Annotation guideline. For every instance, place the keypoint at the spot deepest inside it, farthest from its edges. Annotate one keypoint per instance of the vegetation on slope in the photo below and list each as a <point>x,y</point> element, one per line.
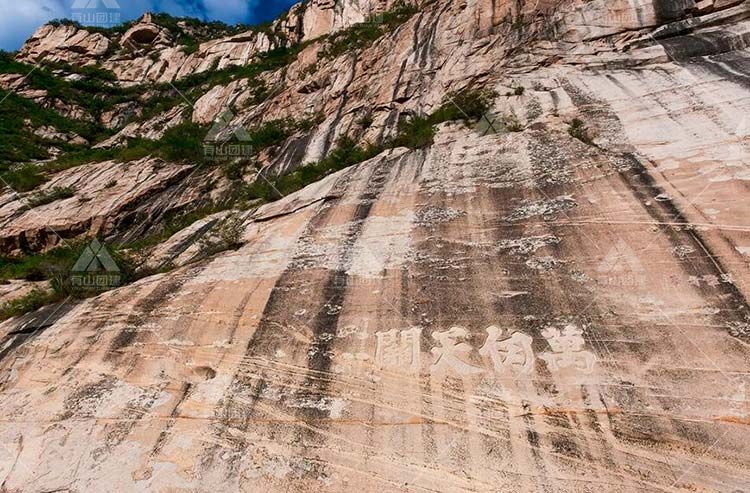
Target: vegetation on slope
<point>18,144</point>
<point>21,116</point>
<point>415,133</point>
<point>185,142</point>
<point>364,34</point>
<point>95,92</point>
<point>186,31</point>
<point>94,89</point>
<point>54,266</point>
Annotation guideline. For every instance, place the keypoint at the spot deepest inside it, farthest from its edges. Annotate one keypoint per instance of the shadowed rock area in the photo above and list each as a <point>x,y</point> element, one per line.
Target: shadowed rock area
<point>553,298</point>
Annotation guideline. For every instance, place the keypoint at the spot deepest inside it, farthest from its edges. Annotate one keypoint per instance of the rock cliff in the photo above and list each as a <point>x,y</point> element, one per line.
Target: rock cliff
<point>443,246</point>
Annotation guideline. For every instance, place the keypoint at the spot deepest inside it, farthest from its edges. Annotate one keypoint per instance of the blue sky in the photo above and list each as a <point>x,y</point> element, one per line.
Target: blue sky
<point>20,18</point>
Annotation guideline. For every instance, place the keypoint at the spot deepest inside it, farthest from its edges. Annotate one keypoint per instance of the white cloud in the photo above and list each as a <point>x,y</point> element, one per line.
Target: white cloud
<point>19,19</point>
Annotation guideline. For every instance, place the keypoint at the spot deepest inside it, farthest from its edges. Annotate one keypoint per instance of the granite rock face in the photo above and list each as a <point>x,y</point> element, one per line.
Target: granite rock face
<point>552,299</point>
<point>66,44</point>
<point>136,63</point>
<point>103,195</point>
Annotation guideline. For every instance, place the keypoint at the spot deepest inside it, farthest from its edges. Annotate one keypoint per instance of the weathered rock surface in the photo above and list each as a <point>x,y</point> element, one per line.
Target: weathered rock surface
<point>14,290</point>
<point>66,44</point>
<point>561,308</point>
<point>105,196</point>
<point>146,33</point>
<point>51,133</point>
<point>152,129</point>
<point>303,22</point>
<point>297,384</point>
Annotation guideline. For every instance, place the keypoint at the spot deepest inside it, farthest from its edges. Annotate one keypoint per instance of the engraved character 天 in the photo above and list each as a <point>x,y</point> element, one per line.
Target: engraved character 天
<point>567,349</point>
<point>508,353</point>
<point>450,355</point>
<point>399,350</point>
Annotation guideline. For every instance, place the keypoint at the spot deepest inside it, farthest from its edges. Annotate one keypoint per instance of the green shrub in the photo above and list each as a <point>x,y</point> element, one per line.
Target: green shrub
<point>202,30</point>
<point>263,62</point>
<point>54,265</point>
<point>229,236</point>
<point>19,117</point>
<point>260,189</point>
<point>176,221</point>
<point>33,301</point>
<point>346,153</point>
<point>161,102</point>
<point>361,35</point>
<point>270,133</point>
<point>190,46</point>
<point>259,90</point>
<point>233,170</point>
<point>78,158</point>
<point>41,266</point>
<point>366,121</point>
<point>231,230</point>
<point>92,73</point>
<point>107,31</point>
<point>469,105</point>
<point>95,92</point>
<point>49,196</point>
<point>415,133</point>
<point>351,39</point>
<point>183,142</point>
<point>23,178</point>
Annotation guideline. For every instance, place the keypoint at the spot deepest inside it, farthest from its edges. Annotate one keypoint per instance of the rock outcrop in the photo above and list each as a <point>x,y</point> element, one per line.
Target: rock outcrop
<point>135,64</point>
<point>104,195</point>
<point>66,44</point>
<point>146,34</point>
<point>553,298</point>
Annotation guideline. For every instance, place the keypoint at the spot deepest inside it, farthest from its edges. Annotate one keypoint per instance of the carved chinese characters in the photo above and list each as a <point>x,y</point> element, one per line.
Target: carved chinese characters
<point>567,349</point>
<point>452,352</point>
<point>508,353</point>
<point>399,350</point>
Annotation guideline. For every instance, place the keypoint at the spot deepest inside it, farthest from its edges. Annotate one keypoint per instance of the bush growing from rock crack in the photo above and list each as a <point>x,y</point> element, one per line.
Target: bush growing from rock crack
<point>49,196</point>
